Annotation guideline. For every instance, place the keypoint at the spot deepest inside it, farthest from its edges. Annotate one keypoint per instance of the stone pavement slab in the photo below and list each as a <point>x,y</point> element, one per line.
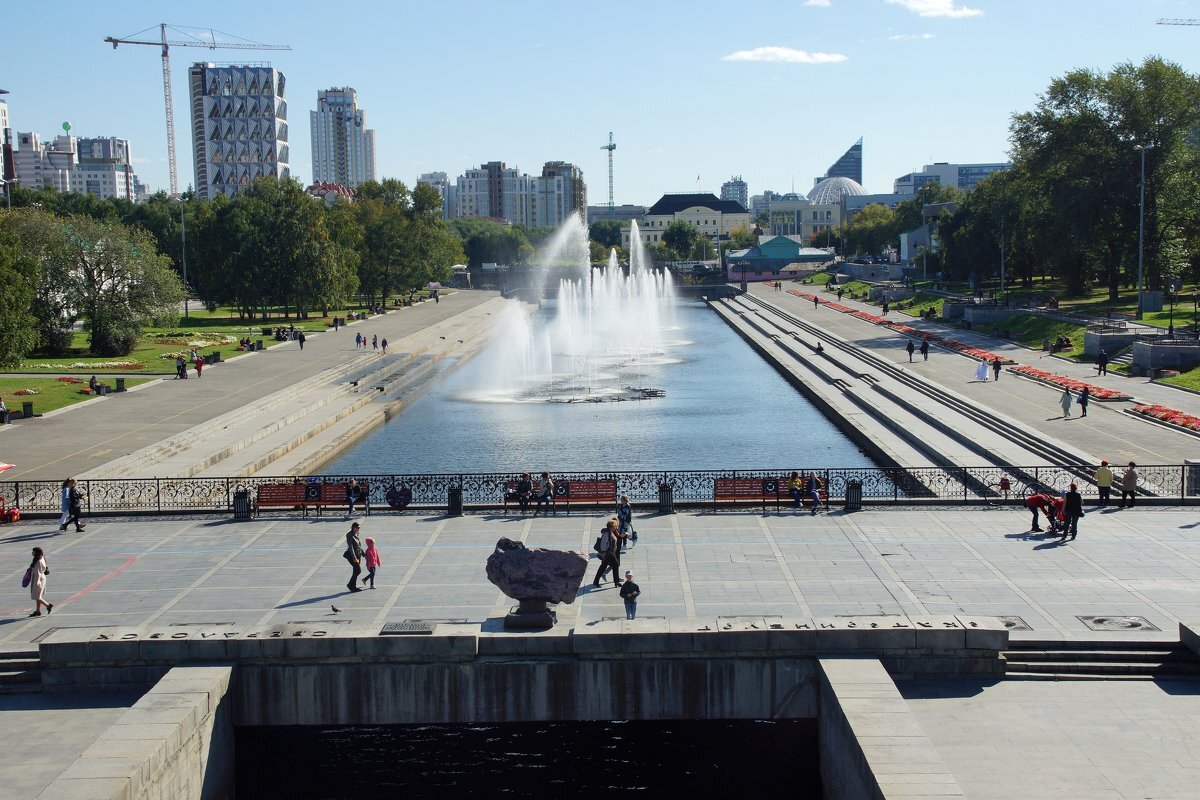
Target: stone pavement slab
<point>941,561</point>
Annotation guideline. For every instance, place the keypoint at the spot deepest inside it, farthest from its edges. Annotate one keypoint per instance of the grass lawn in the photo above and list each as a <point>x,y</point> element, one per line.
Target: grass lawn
<point>817,279</point>
<point>51,392</point>
<point>1031,329</point>
<point>920,303</point>
<point>1189,379</point>
<point>145,356</point>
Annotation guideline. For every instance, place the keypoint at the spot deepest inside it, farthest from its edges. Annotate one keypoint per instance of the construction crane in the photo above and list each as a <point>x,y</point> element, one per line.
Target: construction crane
<point>610,147</point>
<point>192,41</point>
<point>1165,21</point>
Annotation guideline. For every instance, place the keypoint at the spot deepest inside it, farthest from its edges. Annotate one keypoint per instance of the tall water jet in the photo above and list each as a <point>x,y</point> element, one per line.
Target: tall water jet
<point>606,326</point>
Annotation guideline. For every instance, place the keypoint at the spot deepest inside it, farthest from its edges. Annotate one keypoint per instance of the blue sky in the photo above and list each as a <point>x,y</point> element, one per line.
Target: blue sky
<point>773,91</point>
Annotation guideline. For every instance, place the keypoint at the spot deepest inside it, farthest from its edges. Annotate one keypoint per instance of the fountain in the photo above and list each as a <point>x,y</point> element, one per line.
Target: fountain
<point>607,326</point>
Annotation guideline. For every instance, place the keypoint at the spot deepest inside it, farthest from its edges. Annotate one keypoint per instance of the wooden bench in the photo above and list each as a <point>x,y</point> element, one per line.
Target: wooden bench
<point>305,495</point>
<point>568,493</point>
<point>510,493</point>
<point>731,491</point>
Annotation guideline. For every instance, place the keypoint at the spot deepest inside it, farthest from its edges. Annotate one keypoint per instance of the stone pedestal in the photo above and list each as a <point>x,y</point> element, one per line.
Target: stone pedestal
<point>530,615</point>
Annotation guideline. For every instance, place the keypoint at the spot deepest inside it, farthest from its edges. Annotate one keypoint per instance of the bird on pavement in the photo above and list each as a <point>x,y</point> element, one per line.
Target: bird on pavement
<point>336,610</point>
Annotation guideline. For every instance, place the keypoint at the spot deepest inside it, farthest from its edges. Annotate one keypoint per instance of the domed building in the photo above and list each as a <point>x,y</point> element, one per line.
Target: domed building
<point>830,191</point>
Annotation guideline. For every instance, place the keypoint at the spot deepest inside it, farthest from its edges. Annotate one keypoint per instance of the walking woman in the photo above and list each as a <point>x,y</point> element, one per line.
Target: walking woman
<point>37,583</point>
<point>66,505</point>
<point>353,554</point>
<point>1065,402</point>
<point>1084,396</point>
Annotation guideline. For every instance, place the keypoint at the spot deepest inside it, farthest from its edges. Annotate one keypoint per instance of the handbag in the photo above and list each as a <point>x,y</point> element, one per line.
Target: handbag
<point>596,546</point>
<point>28,579</point>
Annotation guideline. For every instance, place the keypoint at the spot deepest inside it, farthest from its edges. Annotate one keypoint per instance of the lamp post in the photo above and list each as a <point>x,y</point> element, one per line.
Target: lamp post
<point>1141,224</point>
<point>1171,317</point>
<point>1195,304</point>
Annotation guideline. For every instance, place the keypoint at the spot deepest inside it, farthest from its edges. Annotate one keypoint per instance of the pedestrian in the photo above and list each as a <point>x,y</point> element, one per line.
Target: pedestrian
<point>1102,363</point>
<point>357,340</point>
<point>375,342</point>
<point>814,492</point>
<point>300,339</point>
<point>1064,400</point>
<point>353,554</point>
<point>1072,510</point>
<point>74,507</point>
<point>3,412</point>
<point>909,347</point>
<point>180,369</point>
<point>1083,398</point>
<point>996,367</point>
<point>608,546</point>
<point>625,517</point>
<point>436,297</point>
<point>353,495</point>
<point>199,365</point>
<point>65,496</point>
<point>630,593</point>
<point>37,583</point>
<point>337,323</point>
<point>925,348</point>
<point>795,487</point>
<point>816,302</point>
<point>1104,478</point>
<point>1129,484</point>
<point>373,561</point>
<point>885,307</point>
<point>1042,502</point>
<point>546,496</point>
<point>840,291</point>
<point>383,343</point>
<point>981,370</point>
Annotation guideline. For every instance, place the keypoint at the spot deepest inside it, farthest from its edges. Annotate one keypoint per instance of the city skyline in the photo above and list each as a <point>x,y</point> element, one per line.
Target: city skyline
<point>776,104</point>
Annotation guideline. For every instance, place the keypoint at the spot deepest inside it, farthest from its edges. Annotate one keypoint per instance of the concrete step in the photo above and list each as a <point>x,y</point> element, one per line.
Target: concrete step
<point>1159,668</point>
<point>1019,646</point>
<point>16,664</point>
<point>1078,676</point>
<point>1131,656</point>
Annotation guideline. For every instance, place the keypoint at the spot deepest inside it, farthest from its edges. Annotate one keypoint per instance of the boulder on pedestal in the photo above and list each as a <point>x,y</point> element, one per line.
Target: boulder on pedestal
<point>535,577</point>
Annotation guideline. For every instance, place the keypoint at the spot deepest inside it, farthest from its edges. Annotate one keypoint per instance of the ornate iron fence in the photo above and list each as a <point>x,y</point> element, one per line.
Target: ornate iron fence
<point>1174,482</point>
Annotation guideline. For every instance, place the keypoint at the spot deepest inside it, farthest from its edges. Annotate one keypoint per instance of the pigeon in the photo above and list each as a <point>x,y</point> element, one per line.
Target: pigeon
<point>336,610</point>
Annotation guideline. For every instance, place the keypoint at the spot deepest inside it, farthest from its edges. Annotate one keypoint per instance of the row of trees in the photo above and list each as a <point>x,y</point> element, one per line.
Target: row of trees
<point>1069,207</point>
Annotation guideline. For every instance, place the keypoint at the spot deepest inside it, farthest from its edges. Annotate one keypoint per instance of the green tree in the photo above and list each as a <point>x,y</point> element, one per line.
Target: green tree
<point>680,236</point>
<point>47,247</point>
<point>18,326</point>
<point>606,233</point>
<point>872,230</point>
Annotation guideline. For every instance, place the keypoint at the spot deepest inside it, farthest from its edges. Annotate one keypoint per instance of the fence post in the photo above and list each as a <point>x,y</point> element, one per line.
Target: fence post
<point>228,500</point>
<point>964,484</point>
<point>88,495</point>
<point>158,494</point>
<point>1183,484</point>
<point>895,474</point>
<point>17,494</point>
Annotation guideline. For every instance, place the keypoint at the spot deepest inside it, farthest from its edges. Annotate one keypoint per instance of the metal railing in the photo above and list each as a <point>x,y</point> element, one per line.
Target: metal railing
<point>962,485</point>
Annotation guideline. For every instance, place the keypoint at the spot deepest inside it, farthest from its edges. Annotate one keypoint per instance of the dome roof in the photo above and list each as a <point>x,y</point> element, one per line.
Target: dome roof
<point>831,190</point>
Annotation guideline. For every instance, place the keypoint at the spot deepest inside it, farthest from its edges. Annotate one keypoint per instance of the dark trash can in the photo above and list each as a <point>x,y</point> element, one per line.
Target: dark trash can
<point>258,345</point>
<point>241,504</point>
<point>120,384</point>
<point>216,357</point>
<point>854,495</point>
<point>101,389</point>
<point>27,410</point>
<point>666,498</point>
<point>454,501</point>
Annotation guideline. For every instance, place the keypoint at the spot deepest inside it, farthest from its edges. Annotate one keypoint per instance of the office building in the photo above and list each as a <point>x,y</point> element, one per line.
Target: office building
<point>712,217</point>
<point>736,189</point>
<point>7,168</point>
<point>101,167</point>
<point>445,189</point>
<point>848,166</point>
<point>964,176</point>
<point>622,213</point>
<point>501,192</point>
<point>239,126</point>
<point>343,147</point>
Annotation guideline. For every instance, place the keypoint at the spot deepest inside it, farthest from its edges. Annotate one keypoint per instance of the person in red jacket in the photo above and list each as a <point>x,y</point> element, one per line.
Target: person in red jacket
<point>1042,502</point>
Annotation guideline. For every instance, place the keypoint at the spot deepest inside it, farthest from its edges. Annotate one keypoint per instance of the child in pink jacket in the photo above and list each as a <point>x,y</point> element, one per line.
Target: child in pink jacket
<point>372,558</point>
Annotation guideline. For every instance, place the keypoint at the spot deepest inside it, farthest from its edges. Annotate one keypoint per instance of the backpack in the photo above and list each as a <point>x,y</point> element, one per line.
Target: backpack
<point>604,541</point>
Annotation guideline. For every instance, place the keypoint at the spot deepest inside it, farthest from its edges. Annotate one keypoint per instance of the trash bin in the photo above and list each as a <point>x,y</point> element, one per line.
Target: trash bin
<point>666,498</point>
<point>216,357</point>
<point>241,504</point>
<point>101,389</point>
<point>27,410</point>
<point>854,495</point>
<point>454,502</point>
<point>258,345</point>
<point>120,384</point>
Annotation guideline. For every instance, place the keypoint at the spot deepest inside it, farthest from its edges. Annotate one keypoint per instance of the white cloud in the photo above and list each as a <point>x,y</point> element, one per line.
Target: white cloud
<point>937,8</point>
<point>784,55</point>
<point>818,3</point>
<point>907,37</point>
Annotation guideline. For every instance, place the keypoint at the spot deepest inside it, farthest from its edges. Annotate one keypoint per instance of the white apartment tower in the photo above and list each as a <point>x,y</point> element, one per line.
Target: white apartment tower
<point>239,126</point>
<point>343,147</point>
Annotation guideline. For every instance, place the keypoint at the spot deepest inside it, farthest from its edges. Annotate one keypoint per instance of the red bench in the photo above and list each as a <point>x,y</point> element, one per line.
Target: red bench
<point>603,492</point>
<point>305,495</point>
<point>731,491</point>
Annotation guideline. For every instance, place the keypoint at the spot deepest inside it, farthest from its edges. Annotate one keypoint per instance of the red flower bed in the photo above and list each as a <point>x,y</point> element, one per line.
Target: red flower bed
<point>1063,382</point>
<point>70,380</point>
<point>873,318</point>
<point>974,352</point>
<point>908,330</point>
<point>1170,416</point>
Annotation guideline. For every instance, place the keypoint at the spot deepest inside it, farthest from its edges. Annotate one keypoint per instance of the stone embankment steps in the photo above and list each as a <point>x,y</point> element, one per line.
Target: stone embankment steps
<point>20,671</point>
<point>253,437</point>
<point>990,435</point>
<point>1103,660</point>
<point>875,432</point>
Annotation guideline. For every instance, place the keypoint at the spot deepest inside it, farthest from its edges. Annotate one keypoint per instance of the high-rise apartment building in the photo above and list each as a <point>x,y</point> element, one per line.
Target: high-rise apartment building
<point>502,192</point>
<point>239,126</point>
<point>561,192</point>
<point>101,166</point>
<point>737,190</point>
<point>343,147</point>
<point>7,167</point>
<point>964,176</point>
<point>445,189</point>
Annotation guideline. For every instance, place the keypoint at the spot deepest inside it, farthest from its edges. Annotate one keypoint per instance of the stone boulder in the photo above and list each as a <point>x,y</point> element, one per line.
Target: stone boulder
<point>551,576</point>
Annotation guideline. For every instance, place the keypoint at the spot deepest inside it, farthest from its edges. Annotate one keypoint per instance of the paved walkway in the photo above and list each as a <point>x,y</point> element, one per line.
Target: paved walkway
<point>57,446</point>
<point>285,568</point>
<point>1106,431</point>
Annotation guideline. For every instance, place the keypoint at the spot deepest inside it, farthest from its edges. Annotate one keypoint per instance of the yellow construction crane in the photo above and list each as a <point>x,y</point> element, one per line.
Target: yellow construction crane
<point>191,41</point>
<point>1165,21</point>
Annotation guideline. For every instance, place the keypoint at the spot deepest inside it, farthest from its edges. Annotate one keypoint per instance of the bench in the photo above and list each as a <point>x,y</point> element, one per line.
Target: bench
<point>740,490</point>
<point>602,492</point>
<point>305,495</point>
<point>510,493</point>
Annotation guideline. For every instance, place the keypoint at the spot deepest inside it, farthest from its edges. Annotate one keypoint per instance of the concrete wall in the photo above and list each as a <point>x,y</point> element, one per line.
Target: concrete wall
<point>986,315</point>
<point>176,743</point>
<point>1109,341</point>
<point>1148,356</point>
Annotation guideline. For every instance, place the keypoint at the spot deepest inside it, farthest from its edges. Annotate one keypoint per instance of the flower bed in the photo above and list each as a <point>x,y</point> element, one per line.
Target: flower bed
<point>26,392</point>
<point>974,352</point>
<point>1063,382</point>
<point>69,379</point>
<point>1170,416</point>
<point>92,365</point>
<point>908,330</point>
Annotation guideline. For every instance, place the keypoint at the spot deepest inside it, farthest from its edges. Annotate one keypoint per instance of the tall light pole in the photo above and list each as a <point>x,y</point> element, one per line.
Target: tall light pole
<point>1141,225</point>
<point>8,182</point>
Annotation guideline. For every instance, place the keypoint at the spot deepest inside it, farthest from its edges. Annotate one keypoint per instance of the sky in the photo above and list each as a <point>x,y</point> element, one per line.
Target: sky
<point>693,92</point>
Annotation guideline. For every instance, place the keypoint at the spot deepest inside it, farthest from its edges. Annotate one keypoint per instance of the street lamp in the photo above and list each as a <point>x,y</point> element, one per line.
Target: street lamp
<point>1171,318</point>
<point>1141,224</point>
<point>1195,304</point>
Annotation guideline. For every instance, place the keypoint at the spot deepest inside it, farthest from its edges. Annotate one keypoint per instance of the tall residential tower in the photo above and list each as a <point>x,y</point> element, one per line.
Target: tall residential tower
<point>343,147</point>
<point>239,126</point>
